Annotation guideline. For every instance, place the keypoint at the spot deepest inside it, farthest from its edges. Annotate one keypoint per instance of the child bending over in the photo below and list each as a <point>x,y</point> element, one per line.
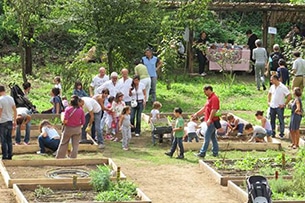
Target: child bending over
<point>235,124</point>
<point>191,129</point>
<point>258,133</point>
<point>265,123</point>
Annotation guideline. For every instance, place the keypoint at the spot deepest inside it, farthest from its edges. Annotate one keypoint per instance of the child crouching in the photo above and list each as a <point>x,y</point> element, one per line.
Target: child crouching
<point>178,131</point>
<point>258,133</point>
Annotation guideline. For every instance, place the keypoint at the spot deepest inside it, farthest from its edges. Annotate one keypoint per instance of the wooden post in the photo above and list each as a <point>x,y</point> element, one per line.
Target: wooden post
<point>265,29</point>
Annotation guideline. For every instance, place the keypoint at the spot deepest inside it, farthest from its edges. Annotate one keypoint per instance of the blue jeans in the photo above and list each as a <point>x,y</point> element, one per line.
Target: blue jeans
<point>46,142</point>
<point>177,141</point>
<point>96,127</point>
<point>27,133</point>
<point>280,113</point>
<point>153,89</point>
<point>136,115</point>
<point>210,135</point>
<point>6,139</point>
<point>240,127</point>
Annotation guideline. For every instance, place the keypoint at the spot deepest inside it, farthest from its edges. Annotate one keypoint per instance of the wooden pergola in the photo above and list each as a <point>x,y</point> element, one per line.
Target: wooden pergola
<point>273,13</point>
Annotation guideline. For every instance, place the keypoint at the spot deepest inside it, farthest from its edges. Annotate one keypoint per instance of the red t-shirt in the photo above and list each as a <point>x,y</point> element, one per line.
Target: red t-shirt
<point>212,103</point>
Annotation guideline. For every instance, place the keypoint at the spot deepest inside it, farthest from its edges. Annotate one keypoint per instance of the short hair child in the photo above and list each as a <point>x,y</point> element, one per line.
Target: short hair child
<point>178,134</point>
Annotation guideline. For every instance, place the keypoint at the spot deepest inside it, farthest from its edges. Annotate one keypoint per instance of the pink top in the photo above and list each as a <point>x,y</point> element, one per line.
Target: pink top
<point>73,117</point>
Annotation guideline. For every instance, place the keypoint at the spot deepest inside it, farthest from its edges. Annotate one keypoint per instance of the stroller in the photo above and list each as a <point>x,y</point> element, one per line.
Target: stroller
<point>20,99</point>
<point>258,190</point>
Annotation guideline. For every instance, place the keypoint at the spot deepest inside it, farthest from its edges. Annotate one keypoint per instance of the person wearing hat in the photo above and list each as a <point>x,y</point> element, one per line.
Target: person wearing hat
<point>111,85</point>
<point>152,64</point>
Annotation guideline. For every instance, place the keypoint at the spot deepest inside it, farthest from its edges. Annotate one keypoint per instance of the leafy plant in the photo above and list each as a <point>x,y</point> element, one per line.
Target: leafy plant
<point>247,163</point>
<point>41,191</point>
<point>118,191</point>
<point>100,178</point>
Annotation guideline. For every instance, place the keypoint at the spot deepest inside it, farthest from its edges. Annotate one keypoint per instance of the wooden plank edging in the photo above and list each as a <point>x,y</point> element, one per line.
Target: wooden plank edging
<point>80,186</point>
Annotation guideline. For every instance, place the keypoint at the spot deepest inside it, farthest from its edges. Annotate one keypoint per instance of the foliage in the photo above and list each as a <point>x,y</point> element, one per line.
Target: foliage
<point>100,178</point>
<point>41,191</point>
<point>299,172</point>
<point>78,70</point>
<point>121,190</point>
<point>246,164</point>
<point>118,27</point>
<point>24,17</point>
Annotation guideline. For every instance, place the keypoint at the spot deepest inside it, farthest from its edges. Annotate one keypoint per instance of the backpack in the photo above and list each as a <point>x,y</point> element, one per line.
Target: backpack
<point>275,57</point>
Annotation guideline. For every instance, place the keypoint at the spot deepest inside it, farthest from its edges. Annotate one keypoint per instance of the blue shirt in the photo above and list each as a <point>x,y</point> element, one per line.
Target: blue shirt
<point>283,73</point>
<point>151,65</point>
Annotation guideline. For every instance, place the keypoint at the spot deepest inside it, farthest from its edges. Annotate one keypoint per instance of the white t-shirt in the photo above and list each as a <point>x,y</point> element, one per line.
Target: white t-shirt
<point>23,111</point>
<point>6,104</point>
<point>138,95</point>
<point>97,81</point>
<point>51,132</point>
<point>154,114</point>
<point>299,66</point>
<point>113,88</point>
<point>191,127</point>
<point>124,86</point>
<point>258,130</point>
<point>91,104</point>
<point>278,95</point>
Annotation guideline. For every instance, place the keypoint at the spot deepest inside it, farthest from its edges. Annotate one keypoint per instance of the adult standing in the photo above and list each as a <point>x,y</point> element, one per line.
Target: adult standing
<point>93,120</point>
<point>201,56</point>
<point>141,70</point>
<point>111,85</point>
<point>260,57</point>
<point>274,59</point>
<point>251,42</point>
<point>278,97</point>
<point>97,81</point>
<point>23,122</point>
<point>8,116</point>
<point>209,110</point>
<point>73,120</point>
<point>296,117</point>
<point>152,64</point>
<point>124,85</point>
<point>298,69</point>
<point>138,94</point>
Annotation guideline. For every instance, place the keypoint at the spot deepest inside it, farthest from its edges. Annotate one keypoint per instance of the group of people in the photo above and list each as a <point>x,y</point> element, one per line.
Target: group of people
<point>113,103</point>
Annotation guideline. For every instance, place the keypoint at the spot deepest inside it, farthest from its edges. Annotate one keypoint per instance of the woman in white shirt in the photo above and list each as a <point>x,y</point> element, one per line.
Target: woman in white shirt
<point>137,93</point>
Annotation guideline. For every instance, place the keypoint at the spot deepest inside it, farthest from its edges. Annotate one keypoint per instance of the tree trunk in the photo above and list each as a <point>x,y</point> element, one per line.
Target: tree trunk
<point>28,60</point>
<point>110,61</point>
<point>28,52</point>
<point>189,59</point>
<point>21,53</point>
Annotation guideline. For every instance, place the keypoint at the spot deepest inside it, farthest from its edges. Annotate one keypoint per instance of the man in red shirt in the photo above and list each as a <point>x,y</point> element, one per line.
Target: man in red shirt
<point>209,110</point>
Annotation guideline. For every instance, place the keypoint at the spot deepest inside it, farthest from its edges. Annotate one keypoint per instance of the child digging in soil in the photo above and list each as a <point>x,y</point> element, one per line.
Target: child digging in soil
<point>178,131</point>
<point>258,133</point>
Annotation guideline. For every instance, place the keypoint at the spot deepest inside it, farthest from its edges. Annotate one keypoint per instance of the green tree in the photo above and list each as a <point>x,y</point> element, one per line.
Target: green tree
<point>121,28</point>
<point>24,17</point>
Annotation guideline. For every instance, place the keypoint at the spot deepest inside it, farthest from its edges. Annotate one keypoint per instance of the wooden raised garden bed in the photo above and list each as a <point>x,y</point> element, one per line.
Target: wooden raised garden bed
<point>237,145</point>
<point>79,192</point>
<point>234,187</point>
<point>40,171</point>
<point>222,176</point>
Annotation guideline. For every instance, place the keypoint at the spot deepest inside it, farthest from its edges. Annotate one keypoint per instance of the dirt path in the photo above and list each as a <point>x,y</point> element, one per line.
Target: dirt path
<point>184,183</point>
